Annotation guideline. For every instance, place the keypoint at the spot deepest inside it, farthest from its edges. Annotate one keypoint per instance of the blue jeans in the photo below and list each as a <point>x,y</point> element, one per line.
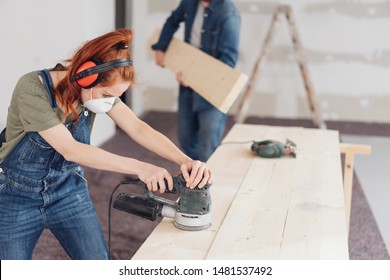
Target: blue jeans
<point>200,125</point>
<point>29,206</point>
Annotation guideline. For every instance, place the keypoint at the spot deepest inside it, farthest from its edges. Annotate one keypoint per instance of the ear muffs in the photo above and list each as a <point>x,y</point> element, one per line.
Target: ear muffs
<point>89,80</point>
<point>90,72</point>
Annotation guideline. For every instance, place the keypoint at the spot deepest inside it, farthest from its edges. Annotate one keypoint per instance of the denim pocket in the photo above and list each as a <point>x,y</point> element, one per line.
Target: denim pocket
<point>36,153</point>
<point>80,174</point>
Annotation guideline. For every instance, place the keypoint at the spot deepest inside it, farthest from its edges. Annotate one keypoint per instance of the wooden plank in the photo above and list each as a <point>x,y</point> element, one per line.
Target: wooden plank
<point>288,208</point>
<point>350,150</point>
<point>253,227</point>
<point>355,148</point>
<point>348,184</point>
<point>168,242</point>
<point>316,227</point>
<point>215,81</point>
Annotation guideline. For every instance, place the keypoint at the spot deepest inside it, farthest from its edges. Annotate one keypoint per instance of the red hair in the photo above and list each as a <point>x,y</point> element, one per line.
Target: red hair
<point>104,48</point>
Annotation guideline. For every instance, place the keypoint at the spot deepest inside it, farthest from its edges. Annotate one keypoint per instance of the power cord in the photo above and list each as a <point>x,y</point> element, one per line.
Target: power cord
<point>270,148</point>
<point>238,142</point>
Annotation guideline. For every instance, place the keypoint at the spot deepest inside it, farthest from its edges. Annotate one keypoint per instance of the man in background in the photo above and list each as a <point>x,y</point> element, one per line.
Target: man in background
<point>213,26</point>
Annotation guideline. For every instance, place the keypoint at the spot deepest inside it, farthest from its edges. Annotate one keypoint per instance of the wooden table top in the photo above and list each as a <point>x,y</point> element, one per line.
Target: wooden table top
<point>284,208</point>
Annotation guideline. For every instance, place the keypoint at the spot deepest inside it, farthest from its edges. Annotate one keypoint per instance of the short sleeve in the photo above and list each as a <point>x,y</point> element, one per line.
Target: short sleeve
<point>35,112</point>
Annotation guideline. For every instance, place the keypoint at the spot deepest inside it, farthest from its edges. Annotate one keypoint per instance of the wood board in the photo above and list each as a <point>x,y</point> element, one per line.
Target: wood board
<point>287,208</point>
<point>215,81</point>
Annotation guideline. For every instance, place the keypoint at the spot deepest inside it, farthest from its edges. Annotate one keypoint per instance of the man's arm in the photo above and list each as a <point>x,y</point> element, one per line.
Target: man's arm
<point>170,27</point>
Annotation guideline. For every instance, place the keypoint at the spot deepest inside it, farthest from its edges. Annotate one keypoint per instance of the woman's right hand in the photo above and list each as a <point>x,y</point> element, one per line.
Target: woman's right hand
<point>153,176</point>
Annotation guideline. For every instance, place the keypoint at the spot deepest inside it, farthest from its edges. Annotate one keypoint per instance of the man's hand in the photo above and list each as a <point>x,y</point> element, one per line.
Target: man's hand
<point>180,78</point>
<point>159,58</point>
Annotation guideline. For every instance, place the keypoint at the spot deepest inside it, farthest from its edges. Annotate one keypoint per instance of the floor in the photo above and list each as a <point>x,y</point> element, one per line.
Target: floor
<point>373,174</point>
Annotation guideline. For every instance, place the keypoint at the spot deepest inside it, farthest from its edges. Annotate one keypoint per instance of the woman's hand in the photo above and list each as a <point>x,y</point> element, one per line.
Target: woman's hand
<point>153,176</point>
<point>196,173</point>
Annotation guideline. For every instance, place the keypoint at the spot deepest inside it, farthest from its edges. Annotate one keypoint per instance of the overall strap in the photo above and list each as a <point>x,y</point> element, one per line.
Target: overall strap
<point>48,83</point>
<point>2,137</point>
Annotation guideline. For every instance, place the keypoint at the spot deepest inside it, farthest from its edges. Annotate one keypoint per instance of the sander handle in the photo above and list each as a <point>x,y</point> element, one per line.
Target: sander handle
<point>177,180</point>
<point>150,206</point>
<point>138,205</point>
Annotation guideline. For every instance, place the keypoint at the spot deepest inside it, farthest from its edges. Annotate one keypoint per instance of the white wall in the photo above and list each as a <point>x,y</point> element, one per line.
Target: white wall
<point>38,34</point>
<point>347,44</point>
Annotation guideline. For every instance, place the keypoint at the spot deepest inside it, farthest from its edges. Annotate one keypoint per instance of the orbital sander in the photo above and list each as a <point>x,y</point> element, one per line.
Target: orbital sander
<point>191,212</point>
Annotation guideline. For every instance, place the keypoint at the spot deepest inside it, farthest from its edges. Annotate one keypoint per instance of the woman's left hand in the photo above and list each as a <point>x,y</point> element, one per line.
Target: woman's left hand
<point>196,174</point>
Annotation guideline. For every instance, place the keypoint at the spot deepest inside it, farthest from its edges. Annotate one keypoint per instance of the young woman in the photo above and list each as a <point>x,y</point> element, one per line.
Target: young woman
<point>47,139</point>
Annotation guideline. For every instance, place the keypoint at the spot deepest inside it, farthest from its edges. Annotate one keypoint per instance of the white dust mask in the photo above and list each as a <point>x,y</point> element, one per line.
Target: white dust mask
<point>99,105</point>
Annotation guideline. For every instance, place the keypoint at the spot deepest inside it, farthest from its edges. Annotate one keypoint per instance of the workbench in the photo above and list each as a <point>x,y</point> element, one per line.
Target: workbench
<point>284,208</point>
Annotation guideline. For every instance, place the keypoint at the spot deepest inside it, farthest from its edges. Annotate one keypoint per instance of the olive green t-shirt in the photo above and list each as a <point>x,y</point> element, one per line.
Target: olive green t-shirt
<point>30,111</point>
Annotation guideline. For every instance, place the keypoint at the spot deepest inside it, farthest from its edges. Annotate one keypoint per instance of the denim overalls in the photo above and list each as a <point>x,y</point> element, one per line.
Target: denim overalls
<point>40,189</point>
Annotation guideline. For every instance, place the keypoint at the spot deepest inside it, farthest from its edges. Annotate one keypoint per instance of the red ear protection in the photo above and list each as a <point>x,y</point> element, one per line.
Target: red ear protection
<point>90,72</point>
<point>91,80</point>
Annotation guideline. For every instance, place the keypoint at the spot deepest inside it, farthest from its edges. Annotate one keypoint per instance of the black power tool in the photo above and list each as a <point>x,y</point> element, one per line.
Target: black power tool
<point>192,211</point>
